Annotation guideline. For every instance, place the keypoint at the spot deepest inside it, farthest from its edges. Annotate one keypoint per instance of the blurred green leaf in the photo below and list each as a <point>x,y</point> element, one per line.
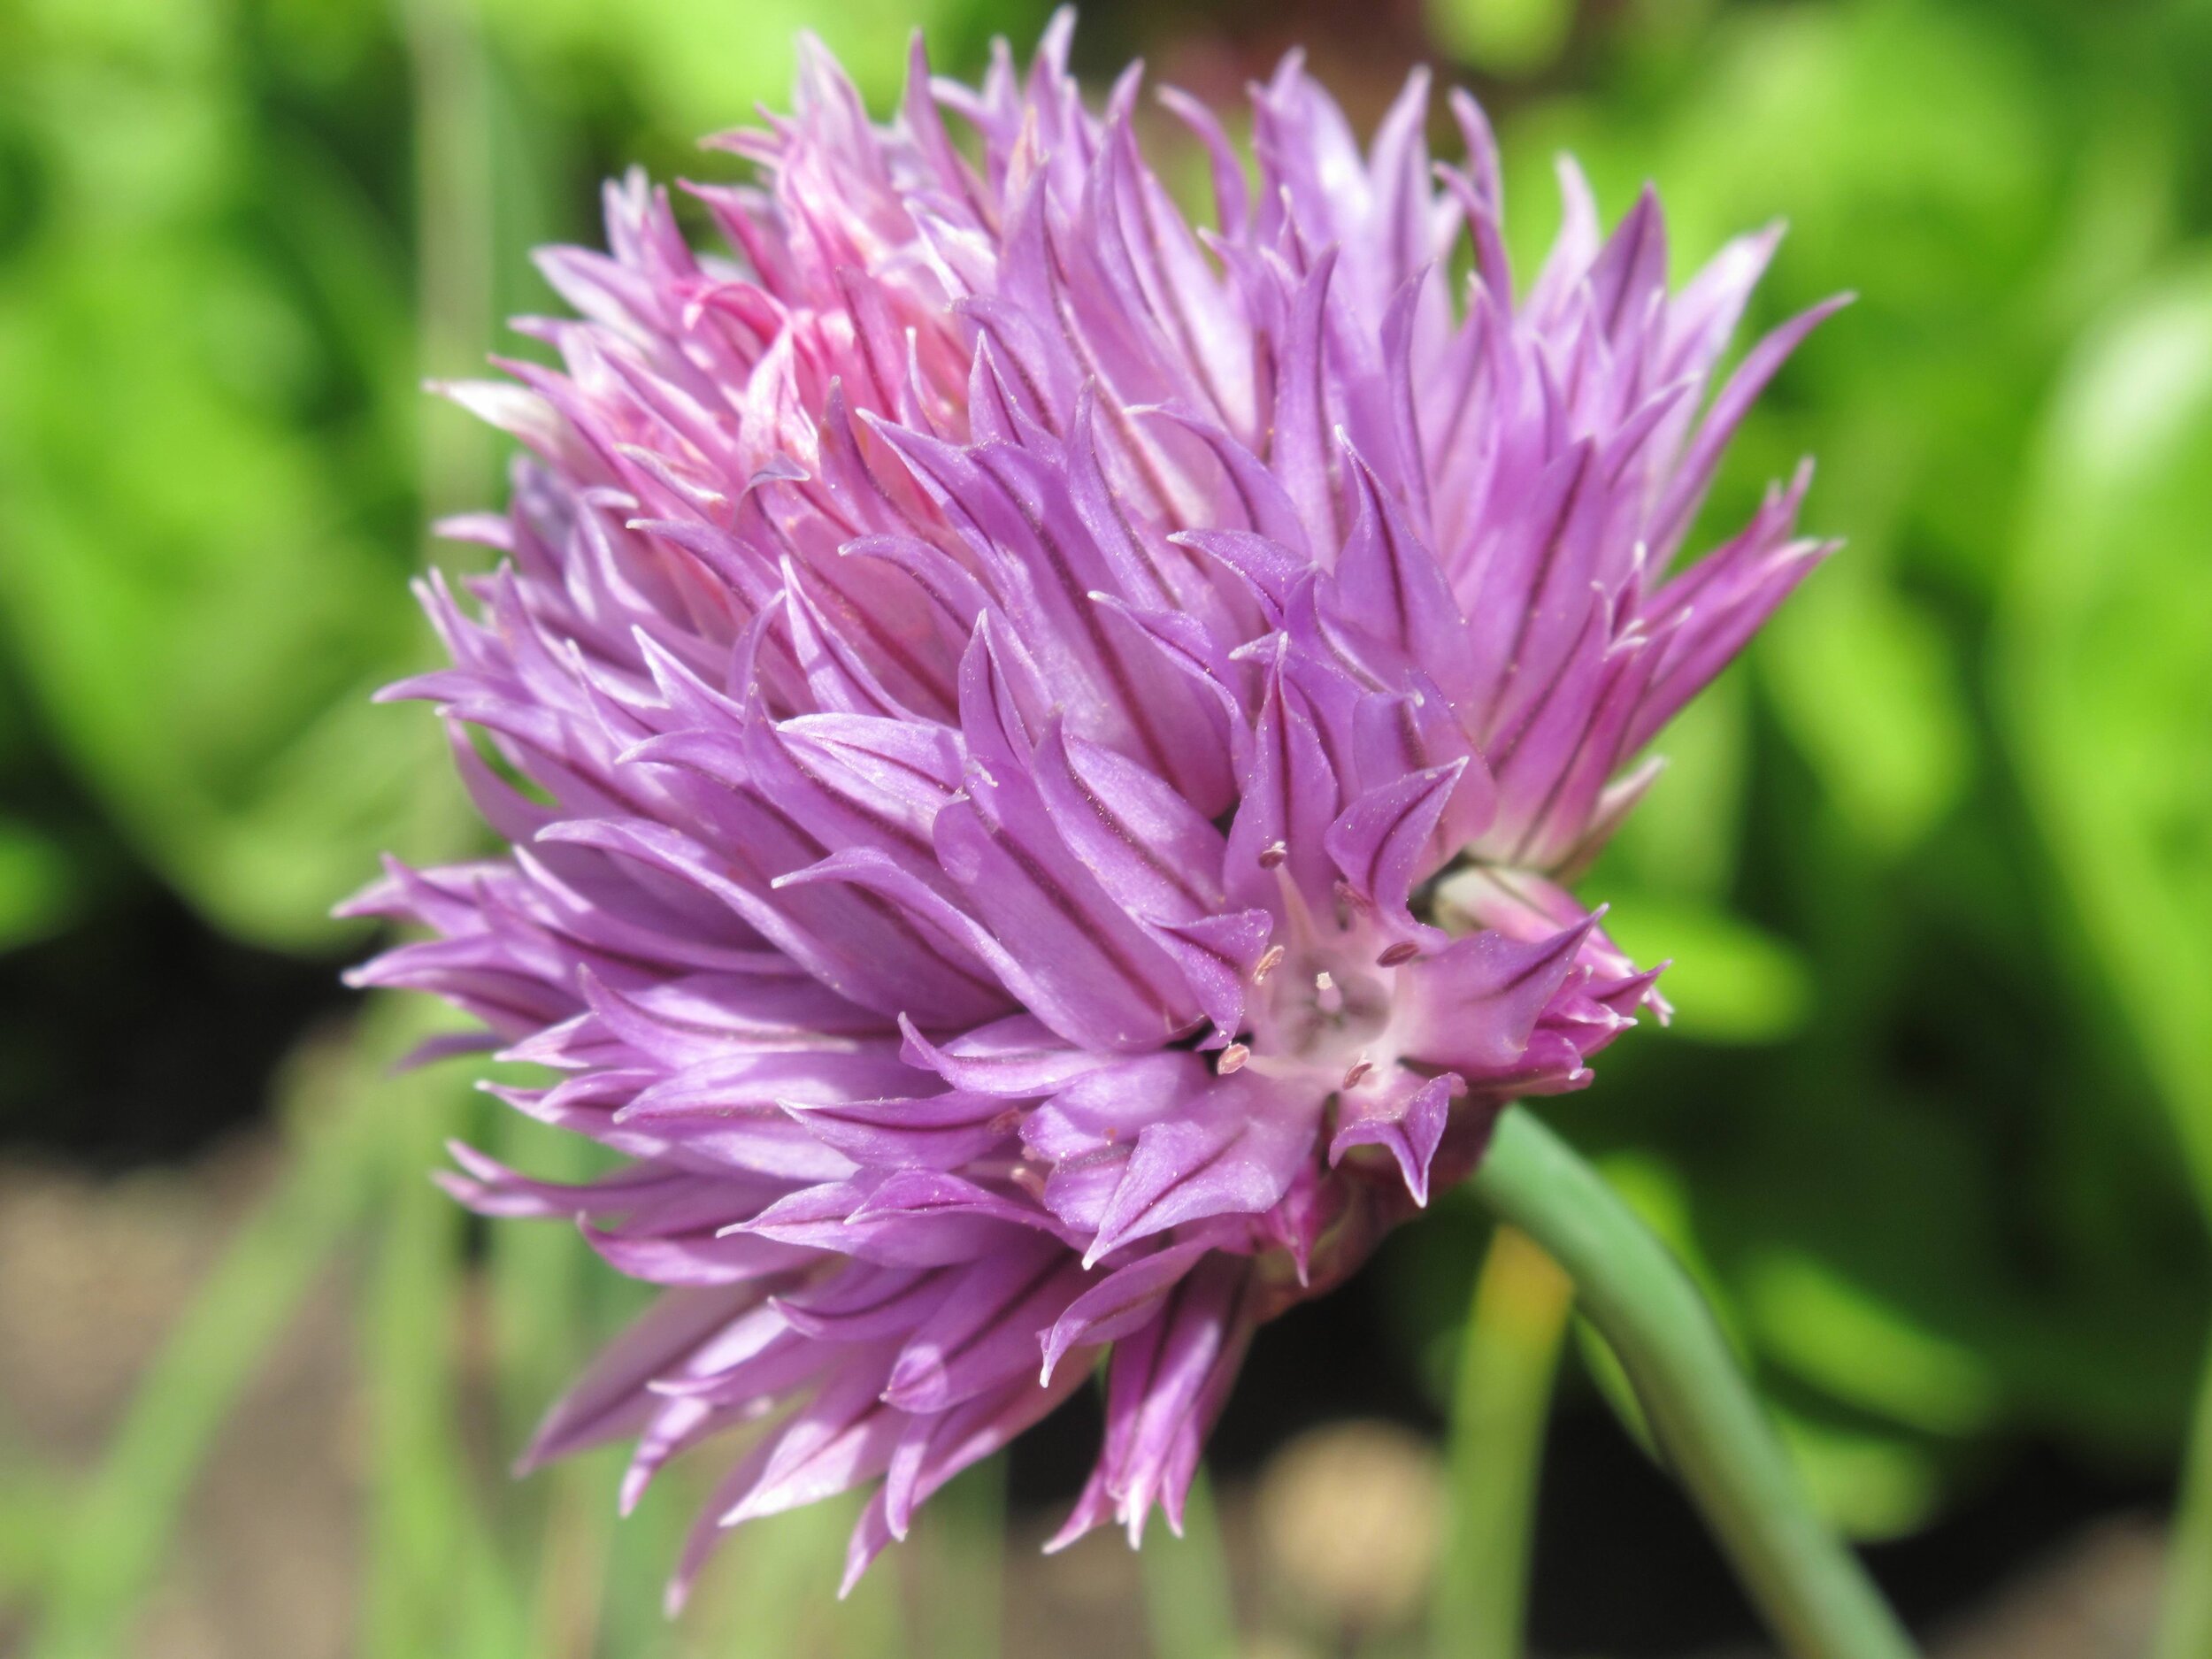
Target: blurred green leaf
<point>1604,1369</point>
<point>195,569</point>
<point>1186,1604</point>
<point>960,1570</point>
<point>435,1581</point>
<point>1868,1484</point>
<point>1729,981</point>
<point>1506,37</point>
<point>2106,678</point>
<point>36,884</point>
<point>1833,1332</point>
<point>543,1282</point>
<point>30,1497</point>
<point>2185,1620</point>
<point>1866,684</point>
<point>771,1592</point>
<point>701,65</point>
<point>1896,136</point>
<point>1683,837</point>
<point>1500,1407</point>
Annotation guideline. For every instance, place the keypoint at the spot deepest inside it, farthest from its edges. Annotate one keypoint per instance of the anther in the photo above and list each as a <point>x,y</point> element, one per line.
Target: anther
<point>1232,1059</point>
<point>1359,1070</point>
<point>1273,854</point>
<point>1270,960</point>
<point>1404,950</point>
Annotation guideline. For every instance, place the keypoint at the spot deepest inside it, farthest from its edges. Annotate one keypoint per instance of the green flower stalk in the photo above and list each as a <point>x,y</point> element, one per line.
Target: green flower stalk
<point>1708,1422</point>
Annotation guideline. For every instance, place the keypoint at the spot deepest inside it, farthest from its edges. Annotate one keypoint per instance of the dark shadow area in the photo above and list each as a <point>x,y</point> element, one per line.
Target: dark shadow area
<point>140,1034</point>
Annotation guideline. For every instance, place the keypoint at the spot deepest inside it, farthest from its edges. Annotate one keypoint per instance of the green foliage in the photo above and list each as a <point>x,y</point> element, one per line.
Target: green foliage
<point>1516,1322</point>
<point>701,65</point>
<point>2108,679</point>
<point>1506,37</point>
<point>204,500</point>
<point>35,884</point>
<point>2111,693</point>
<point>1186,1585</point>
<point>1730,981</point>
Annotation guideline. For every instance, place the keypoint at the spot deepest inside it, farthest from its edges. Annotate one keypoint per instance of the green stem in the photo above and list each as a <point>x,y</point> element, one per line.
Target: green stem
<point>432,1582</point>
<point>1186,1600</point>
<point>1707,1419</point>
<point>2185,1624</point>
<point>1507,1361</point>
<point>454,209</point>
<point>962,1576</point>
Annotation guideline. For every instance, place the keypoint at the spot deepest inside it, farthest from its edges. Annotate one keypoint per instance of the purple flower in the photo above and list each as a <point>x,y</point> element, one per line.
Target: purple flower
<point>1042,746</point>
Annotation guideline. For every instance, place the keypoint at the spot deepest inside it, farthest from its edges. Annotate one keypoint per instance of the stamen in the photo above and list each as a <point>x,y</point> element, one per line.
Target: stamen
<point>1297,919</point>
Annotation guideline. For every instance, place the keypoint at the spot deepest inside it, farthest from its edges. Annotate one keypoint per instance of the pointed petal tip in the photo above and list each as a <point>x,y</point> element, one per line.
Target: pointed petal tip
<point>454,1185</point>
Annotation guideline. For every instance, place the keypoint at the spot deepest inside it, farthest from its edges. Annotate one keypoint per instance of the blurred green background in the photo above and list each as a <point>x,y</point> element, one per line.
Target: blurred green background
<point>1935,863</point>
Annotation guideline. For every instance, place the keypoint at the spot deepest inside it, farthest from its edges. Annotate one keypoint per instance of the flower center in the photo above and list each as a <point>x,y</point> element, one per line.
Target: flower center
<point>1319,1009</point>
